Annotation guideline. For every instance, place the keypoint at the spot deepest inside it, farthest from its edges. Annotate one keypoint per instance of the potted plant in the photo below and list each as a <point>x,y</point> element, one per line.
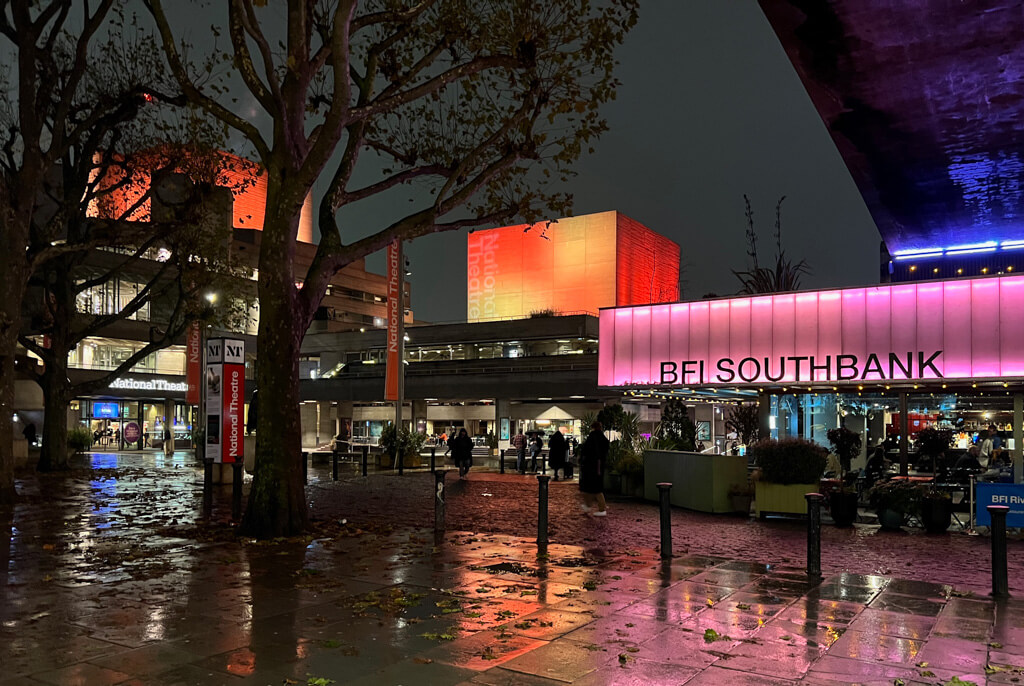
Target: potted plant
<point>492,443</point>
<point>843,500</point>
<point>936,510</point>
<point>79,440</point>
<point>790,468</point>
<point>409,445</point>
<point>893,501</point>
<point>740,496</point>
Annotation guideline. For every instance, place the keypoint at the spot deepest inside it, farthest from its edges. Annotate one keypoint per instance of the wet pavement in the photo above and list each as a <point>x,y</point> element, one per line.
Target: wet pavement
<point>109,580</point>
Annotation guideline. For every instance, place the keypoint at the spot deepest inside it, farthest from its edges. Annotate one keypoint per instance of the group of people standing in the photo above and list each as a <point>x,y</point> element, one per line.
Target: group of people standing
<point>592,456</point>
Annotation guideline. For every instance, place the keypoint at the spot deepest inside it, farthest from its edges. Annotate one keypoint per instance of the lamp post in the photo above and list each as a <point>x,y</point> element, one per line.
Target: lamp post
<point>399,458</point>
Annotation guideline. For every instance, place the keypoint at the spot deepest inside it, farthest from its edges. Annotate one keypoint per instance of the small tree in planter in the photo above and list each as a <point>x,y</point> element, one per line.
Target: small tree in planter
<point>409,444</point>
<point>789,468</point>
<point>843,501</point>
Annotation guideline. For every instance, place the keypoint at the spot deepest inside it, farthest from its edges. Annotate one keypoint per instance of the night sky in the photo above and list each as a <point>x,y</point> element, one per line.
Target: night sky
<point>710,108</point>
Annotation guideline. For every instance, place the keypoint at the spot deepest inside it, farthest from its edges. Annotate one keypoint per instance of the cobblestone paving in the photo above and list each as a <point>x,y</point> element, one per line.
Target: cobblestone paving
<point>108,580</point>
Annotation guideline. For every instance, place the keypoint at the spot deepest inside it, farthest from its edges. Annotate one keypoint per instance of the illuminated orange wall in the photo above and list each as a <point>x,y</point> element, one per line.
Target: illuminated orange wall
<point>577,264</point>
<point>248,186</point>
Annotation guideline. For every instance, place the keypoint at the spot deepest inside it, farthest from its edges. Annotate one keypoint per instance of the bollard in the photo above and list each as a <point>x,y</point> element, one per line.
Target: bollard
<point>665,505</point>
<point>501,461</point>
<point>1000,581</point>
<point>305,467</point>
<point>542,509</point>
<point>433,457</point>
<point>439,503</point>
<point>814,501</point>
<point>366,453</point>
<point>399,460</point>
<point>334,465</point>
<point>236,490</point>
<point>207,486</point>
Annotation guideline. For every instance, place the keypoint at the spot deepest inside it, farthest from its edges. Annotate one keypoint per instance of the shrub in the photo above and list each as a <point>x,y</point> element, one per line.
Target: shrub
<point>410,442</point>
<point>79,439</point>
<point>789,461</point>
<point>898,496</point>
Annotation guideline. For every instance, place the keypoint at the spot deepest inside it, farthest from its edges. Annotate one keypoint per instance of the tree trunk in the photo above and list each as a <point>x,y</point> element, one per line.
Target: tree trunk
<point>277,499</point>
<point>53,455</point>
<point>13,277</point>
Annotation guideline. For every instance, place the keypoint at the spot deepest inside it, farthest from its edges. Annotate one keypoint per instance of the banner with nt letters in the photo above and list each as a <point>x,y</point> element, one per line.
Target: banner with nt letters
<point>225,399</point>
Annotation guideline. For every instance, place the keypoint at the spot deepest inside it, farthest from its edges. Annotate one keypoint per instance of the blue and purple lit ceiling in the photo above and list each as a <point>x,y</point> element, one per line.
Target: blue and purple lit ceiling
<point>925,101</point>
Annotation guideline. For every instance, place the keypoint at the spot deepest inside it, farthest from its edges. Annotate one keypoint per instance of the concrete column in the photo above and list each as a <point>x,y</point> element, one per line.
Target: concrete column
<point>419,413</point>
<point>1018,437</point>
<point>764,412</point>
<point>327,429</point>
<point>169,413</point>
<point>904,436</point>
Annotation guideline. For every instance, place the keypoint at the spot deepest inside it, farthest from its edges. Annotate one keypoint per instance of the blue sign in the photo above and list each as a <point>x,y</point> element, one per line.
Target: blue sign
<point>1011,495</point>
<point>104,409</point>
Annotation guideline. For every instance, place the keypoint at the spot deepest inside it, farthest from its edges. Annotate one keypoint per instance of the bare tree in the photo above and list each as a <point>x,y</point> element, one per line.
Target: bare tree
<point>479,104</point>
<point>75,78</point>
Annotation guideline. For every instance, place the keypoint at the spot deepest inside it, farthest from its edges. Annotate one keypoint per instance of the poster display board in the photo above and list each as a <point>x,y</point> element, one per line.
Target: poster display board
<point>224,383</point>
<point>1011,495</point>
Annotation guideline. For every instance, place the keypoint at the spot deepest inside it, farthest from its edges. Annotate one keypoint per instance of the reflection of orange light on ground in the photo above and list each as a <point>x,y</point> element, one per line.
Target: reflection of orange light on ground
<point>577,264</point>
<point>242,662</point>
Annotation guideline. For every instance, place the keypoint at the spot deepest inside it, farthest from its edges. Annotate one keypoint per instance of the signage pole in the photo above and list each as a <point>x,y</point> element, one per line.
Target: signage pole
<point>401,358</point>
<point>200,420</point>
<point>1018,437</point>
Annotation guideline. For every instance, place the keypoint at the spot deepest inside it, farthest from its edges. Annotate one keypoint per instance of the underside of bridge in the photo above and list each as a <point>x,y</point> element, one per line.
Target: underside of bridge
<point>923,99</point>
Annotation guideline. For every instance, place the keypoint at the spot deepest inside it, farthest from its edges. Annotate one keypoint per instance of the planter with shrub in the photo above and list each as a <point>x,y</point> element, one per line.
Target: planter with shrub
<point>79,440</point>
<point>789,469</point>
<point>893,502</point>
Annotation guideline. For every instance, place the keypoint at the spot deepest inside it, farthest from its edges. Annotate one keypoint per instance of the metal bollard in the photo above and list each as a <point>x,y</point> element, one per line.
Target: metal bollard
<point>665,508</point>
<point>439,502</point>
<point>236,490</point>
<point>501,461</point>
<point>366,453</point>
<point>334,465</point>
<point>814,501</point>
<point>542,509</point>
<point>207,486</point>
<point>305,467</point>
<point>1000,581</point>
<point>433,457</point>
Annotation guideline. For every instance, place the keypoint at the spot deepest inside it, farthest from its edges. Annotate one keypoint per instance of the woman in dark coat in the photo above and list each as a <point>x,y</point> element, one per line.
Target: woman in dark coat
<point>462,453</point>
<point>557,449</point>
<point>594,454</point>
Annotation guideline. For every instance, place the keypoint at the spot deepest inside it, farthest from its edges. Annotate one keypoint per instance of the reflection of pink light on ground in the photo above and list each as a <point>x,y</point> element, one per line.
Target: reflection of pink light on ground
<point>972,324</point>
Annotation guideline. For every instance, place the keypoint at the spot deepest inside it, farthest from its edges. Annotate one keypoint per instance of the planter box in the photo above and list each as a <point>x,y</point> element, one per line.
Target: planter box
<point>781,498</point>
<point>699,482</point>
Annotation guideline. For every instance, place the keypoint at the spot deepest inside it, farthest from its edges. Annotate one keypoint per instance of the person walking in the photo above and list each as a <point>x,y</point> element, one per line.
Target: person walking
<point>519,443</point>
<point>557,448</point>
<point>536,445</point>
<point>462,453</point>
<point>594,454</point>
<point>451,443</point>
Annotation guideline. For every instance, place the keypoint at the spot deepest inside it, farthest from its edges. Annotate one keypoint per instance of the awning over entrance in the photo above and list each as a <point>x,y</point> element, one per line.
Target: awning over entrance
<point>933,332</point>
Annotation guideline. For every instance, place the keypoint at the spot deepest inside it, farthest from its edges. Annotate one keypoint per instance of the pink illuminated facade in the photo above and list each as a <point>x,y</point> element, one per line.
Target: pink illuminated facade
<point>965,329</point>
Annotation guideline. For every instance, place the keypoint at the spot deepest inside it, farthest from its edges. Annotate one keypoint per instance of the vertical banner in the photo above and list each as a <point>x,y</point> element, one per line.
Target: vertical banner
<point>225,399</point>
<point>394,312</point>
<point>193,355</point>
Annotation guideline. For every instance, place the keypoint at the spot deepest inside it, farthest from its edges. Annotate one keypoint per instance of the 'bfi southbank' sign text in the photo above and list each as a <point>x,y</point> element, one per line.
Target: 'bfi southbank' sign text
<point>962,329</point>
<point>803,368</point>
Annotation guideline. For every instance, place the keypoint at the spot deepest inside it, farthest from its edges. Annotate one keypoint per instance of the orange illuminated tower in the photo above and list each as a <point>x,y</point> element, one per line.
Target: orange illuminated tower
<point>574,264</point>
